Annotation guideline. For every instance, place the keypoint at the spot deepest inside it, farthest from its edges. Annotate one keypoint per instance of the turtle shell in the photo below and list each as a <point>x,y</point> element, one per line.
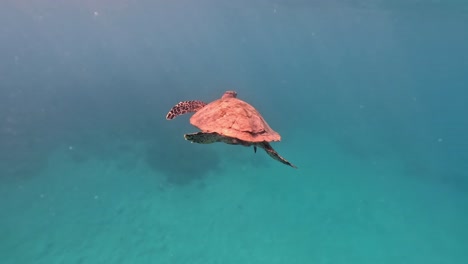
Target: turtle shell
<point>232,117</point>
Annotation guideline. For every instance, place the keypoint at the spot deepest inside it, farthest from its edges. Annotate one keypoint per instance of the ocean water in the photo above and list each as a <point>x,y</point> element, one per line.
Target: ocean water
<point>370,98</point>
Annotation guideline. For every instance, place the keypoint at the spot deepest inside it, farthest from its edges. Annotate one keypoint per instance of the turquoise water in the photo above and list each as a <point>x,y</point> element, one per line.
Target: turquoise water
<point>368,96</point>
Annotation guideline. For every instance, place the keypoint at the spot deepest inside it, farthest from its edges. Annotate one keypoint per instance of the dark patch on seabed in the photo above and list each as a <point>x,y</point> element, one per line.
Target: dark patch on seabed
<point>181,162</point>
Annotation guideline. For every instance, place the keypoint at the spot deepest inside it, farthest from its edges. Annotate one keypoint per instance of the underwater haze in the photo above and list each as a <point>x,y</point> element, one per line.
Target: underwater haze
<point>369,97</point>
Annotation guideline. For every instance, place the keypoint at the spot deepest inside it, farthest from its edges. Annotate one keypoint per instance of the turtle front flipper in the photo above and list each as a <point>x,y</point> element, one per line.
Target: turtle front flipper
<point>204,138</point>
<point>270,151</point>
<point>184,107</point>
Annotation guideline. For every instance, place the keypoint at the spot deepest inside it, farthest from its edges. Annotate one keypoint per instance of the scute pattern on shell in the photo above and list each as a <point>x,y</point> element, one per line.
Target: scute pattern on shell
<point>235,118</point>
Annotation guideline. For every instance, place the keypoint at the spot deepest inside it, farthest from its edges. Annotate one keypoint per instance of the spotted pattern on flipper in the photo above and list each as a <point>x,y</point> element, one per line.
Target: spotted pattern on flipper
<point>184,107</point>
<point>204,138</point>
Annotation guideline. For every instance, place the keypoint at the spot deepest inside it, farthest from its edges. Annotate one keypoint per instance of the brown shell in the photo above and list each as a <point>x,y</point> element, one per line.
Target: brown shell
<point>235,118</point>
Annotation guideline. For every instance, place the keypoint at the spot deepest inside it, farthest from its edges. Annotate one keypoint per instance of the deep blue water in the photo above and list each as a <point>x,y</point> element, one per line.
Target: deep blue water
<point>369,97</point>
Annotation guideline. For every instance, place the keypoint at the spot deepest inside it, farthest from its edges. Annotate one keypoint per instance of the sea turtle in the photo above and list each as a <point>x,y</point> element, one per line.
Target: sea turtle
<point>231,121</point>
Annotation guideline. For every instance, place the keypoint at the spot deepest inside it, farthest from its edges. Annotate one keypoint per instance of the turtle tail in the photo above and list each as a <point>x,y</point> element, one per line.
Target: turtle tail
<point>184,107</point>
<point>270,151</point>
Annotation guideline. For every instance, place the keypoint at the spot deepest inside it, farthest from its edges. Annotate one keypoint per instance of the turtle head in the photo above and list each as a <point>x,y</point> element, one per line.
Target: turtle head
<point>229,94</point>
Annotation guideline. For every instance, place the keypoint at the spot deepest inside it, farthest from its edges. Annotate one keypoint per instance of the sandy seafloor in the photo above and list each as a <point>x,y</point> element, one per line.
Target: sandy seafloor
<point>99,211</point>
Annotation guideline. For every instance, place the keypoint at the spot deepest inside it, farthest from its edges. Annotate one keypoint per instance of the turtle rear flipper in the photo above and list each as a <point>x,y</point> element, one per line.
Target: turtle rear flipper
<point>185,107</point>
<point>270,151</point>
